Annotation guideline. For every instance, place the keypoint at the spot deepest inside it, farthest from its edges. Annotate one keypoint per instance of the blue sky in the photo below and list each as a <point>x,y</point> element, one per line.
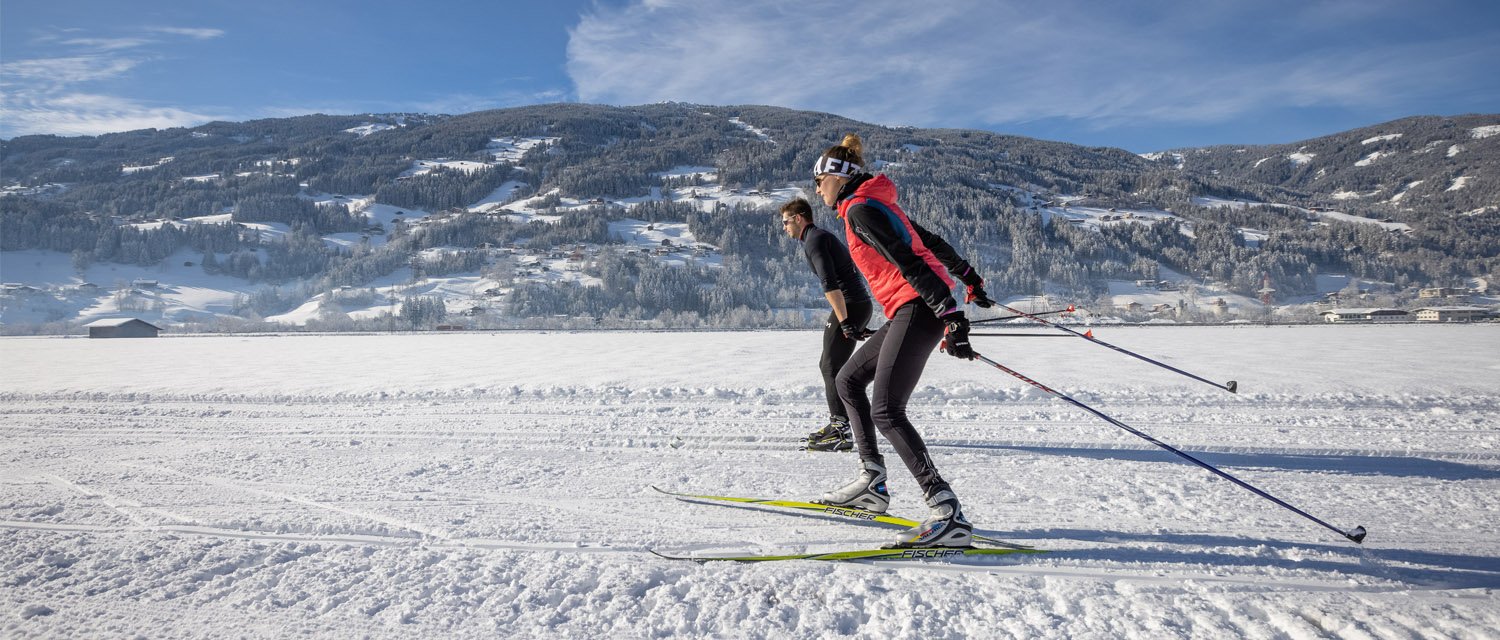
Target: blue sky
<point>1144,75</point>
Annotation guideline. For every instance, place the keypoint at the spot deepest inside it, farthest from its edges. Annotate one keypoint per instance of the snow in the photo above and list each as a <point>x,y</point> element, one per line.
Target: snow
<point>1479,133</point>
<point>499,196</point>
<point>1370,159</point>
<point>496,484</point>
<point>1458,183</point>
<point>687,171</point>
<point>1157,156</point>
<point>1300,158</point>
<point>510,150</point>
<point>367,129</point>
<point>146,167</point>
<point>424,167</point>
<point>1389,136</point>
<point>1404,190</point>
<point>1455,150</point>
<point>758,132</point>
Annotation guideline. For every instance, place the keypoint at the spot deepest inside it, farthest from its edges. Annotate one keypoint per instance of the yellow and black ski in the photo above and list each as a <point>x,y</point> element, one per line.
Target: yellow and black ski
<point>926,554</point>
<point>845,512</point>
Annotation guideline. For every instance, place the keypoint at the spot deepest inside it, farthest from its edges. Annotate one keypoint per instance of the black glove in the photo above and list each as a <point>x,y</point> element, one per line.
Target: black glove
<point>854,331</point>
<point>956,336</point>
<point>978,296</point>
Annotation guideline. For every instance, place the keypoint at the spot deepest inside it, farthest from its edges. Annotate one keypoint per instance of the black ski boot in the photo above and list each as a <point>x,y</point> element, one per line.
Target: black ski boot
<point>836,436</point>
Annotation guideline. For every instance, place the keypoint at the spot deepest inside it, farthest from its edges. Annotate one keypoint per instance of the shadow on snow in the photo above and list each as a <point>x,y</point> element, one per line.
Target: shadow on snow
<point>1396,466</point>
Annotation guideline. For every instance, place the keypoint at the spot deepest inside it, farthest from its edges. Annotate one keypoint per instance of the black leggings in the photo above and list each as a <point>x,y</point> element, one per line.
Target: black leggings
<point>836,351</point>
<point>893,359</point>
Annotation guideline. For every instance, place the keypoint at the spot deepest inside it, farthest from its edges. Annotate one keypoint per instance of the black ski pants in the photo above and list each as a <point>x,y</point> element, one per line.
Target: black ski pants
<point>890,363</point>
<point>836,351</point>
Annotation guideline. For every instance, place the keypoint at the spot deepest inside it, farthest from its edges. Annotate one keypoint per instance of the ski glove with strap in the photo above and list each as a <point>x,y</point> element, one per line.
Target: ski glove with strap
<point>956,336</point>
<point>854,331</point>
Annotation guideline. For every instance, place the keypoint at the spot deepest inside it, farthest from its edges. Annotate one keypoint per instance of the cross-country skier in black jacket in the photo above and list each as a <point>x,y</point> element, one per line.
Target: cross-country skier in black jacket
<point>851,309</point>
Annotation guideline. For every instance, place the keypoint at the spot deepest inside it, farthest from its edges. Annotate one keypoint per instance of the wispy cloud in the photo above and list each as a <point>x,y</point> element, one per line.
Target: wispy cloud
<point>195,33</point>
<point>84,114</point>
<point>108,44</point>
<point>56,94</point>
<point>997,62</point>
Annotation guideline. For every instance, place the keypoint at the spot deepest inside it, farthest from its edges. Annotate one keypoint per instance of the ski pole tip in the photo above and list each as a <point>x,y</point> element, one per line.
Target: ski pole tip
<point>1357,535</point>
<point>1232,386</point>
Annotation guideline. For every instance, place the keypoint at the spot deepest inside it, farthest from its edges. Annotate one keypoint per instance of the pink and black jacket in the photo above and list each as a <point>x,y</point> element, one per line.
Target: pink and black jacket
<point>901,260</point>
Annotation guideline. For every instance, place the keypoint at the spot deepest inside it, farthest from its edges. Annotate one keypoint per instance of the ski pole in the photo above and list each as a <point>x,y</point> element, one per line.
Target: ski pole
<point>1070,309</point>
<point>1357,534</point>
<point>1231,386</point>
<point>1023,335</point>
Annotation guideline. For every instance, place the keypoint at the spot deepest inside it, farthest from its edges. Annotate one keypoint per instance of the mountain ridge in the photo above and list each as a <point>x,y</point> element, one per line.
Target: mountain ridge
<point>297,210</point>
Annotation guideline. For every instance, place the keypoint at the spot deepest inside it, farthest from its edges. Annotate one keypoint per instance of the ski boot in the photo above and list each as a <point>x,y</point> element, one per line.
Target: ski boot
<point>945,526</point>
<point>837,436</point>
<point>867,492</point>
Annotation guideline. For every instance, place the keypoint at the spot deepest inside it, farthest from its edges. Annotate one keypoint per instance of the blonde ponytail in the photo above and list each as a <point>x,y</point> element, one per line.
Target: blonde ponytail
<point>856,148</point>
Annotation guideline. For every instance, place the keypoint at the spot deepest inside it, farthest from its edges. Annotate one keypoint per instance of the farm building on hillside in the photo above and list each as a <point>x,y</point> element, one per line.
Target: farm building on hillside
<point>122,328</point>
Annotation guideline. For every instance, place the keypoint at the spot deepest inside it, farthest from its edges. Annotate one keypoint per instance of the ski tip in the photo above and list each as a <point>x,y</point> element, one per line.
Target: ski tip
<point>1071,309</point>
<point>1232,386</point>
<point>1357,535</point>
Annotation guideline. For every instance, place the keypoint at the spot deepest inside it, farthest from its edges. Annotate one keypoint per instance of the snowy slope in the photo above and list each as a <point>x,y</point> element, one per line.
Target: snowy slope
<point>485,485</point>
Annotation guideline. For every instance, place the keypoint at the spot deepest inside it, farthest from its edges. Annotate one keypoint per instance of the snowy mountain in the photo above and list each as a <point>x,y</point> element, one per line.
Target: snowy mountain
<point>662,216</point>
<point>1405,169</point>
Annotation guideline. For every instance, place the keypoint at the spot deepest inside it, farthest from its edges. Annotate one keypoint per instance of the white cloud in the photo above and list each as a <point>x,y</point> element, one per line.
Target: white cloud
<point>52,94</point>
<point>994,62</point>
<point>83,114</point>
<point>108,44</point>
<point>195,33</point>
<point>63,71</point>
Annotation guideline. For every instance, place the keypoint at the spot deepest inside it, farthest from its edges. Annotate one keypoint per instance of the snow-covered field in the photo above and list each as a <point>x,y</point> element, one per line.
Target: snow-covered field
<point>497,485</point>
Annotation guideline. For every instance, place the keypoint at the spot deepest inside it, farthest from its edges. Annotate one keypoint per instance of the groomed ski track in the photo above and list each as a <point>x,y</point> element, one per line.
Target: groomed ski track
<point>422,496</point>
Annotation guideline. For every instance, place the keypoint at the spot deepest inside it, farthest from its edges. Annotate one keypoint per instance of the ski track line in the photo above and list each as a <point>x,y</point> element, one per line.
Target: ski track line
<point>350,539</point>
<point>574,440</point>
<point>226,484</point>
<point>118,504</point>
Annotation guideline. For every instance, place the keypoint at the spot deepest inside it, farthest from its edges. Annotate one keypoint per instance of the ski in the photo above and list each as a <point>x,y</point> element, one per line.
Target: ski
<point>925,554</point>
<point>845,512</point>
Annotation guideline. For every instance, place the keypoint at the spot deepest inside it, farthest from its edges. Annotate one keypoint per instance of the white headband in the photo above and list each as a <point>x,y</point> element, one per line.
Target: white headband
<point>830,166</point>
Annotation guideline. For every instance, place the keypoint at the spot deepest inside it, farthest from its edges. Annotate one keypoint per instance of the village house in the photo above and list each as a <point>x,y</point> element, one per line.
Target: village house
<point>1452,314</point>
<point>122,328</point>
<point>1442,292</point>
<point>1365,315</point>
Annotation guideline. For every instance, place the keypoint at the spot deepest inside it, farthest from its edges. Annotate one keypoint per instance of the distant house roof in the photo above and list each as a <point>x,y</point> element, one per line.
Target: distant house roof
<point>1477,309</point>
<point>119,322</point>
<point>1345,312</point>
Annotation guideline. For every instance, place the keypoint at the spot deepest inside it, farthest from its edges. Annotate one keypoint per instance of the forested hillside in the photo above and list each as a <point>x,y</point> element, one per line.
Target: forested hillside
<point>666,214</point>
